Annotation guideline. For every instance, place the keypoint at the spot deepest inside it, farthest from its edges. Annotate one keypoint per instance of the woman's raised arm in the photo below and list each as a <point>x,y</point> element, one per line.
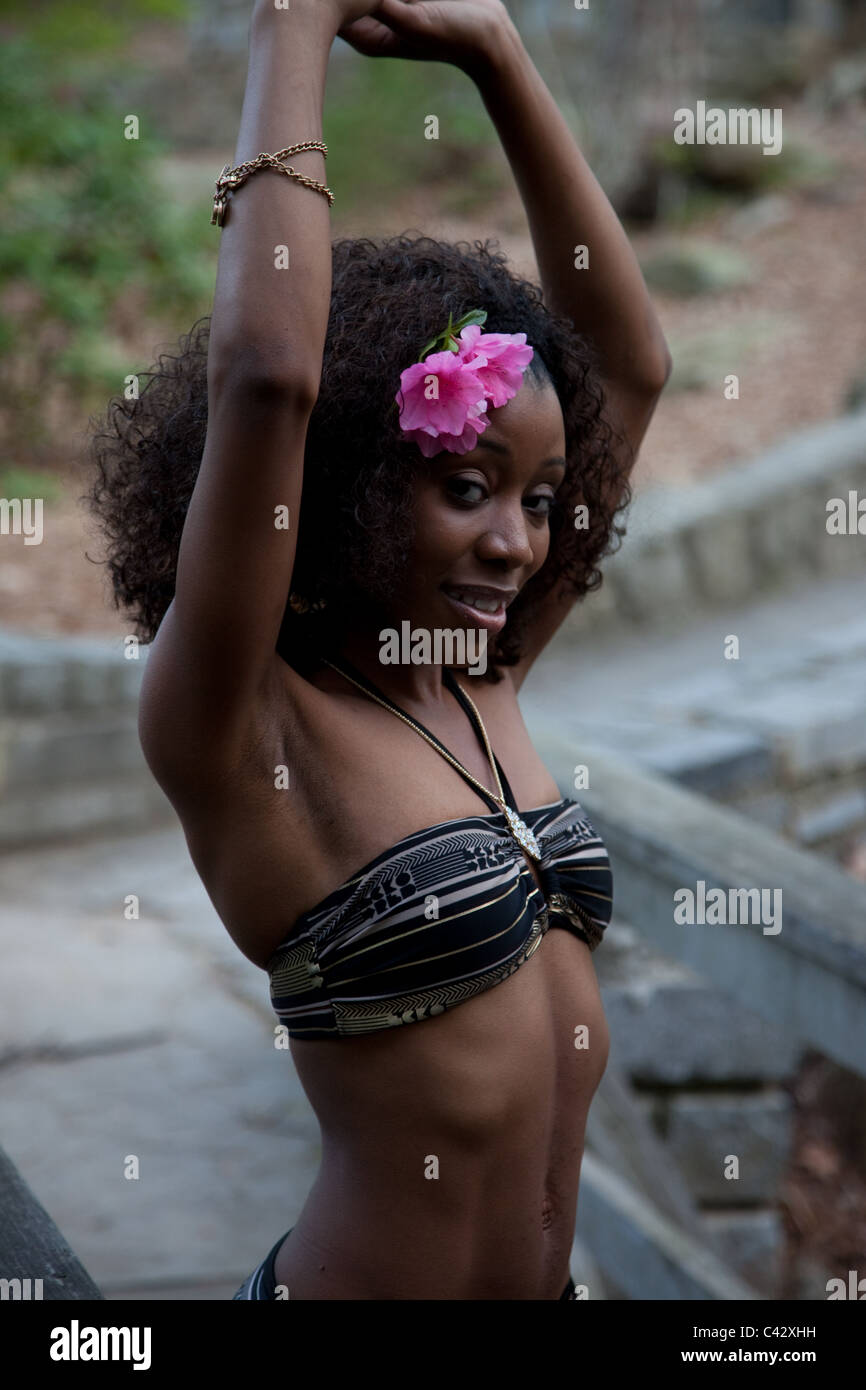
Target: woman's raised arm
<point>602,292</point>
<point>214,653</point>
<point>270,313</point>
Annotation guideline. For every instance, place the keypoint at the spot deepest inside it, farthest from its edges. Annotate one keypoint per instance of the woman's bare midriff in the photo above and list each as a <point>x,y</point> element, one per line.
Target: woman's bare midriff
<point>451,1147</point>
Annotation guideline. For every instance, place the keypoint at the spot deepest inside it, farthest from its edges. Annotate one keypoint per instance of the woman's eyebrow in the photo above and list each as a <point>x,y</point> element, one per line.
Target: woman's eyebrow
<point>558,461</point>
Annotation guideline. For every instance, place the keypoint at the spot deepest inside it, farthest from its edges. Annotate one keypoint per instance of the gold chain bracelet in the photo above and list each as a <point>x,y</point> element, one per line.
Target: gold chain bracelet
<point>233,178</point>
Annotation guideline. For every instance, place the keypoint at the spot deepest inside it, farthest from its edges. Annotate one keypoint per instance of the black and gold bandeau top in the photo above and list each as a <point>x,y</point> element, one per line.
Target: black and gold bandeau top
<point>441,916</point>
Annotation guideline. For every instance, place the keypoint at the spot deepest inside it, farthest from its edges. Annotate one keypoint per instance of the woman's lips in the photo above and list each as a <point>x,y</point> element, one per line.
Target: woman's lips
<point>483,608</point>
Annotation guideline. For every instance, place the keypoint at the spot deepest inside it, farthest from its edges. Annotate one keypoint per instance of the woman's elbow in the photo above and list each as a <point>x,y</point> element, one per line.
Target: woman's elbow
<point>659,371</point>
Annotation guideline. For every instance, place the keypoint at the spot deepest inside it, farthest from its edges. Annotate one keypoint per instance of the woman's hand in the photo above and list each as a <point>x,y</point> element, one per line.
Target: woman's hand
<point>348,11</point>
<point>444,31</point>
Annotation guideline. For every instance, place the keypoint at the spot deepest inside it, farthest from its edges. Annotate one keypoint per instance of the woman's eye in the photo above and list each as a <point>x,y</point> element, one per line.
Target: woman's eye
<point>466,489</point>
<point>547,503</point>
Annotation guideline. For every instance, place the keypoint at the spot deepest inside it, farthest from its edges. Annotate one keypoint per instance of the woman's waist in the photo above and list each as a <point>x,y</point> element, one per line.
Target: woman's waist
<point>479,1072</point>
<point>450,1238</point>
<point>517,1059</point>
<point>467,1161</point>
<point>472,1112</point>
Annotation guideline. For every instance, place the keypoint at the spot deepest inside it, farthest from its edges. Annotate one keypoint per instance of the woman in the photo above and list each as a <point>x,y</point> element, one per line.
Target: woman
<point>378,833</point>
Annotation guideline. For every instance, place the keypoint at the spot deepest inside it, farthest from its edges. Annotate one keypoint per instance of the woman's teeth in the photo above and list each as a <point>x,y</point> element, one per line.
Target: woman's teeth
<point>485,603</point>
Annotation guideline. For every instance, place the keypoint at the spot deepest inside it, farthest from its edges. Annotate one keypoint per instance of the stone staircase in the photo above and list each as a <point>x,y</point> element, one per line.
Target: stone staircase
<point>70,760</point>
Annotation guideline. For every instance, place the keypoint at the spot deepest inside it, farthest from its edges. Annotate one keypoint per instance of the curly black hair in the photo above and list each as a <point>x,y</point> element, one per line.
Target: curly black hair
<point>389,297</point>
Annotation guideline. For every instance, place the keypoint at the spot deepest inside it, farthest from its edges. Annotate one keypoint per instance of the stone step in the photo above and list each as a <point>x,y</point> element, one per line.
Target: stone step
<point>707,1131</point>
<point>133,801</point>
<point>653,1003</point>
<point>44,754</point>
<point>754,528</point>
<point>47,675</point>
<point>70,757</point>
<point>778,733</point>
<point>752,1242</point>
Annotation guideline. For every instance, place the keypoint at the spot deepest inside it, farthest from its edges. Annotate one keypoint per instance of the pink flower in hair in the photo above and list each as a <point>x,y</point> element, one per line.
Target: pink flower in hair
<point>443,404</point>
<point>506,357</point>
<point>443,398</point>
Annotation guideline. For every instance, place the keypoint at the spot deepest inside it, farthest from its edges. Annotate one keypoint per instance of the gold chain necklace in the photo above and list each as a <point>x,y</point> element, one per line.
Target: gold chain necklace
<point>519,829</point>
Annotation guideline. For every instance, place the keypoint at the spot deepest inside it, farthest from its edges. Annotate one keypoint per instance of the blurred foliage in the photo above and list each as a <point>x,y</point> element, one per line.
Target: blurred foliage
<point>85,25</point>
<point>741,168</point>
<point>85,222</point>
<point>84,28</point>
<point>687,268</point>
<point>691,182</point>
<point>25,482</point>
<point>94,242</point>
<point>703,359</point>
<point>374,125</point>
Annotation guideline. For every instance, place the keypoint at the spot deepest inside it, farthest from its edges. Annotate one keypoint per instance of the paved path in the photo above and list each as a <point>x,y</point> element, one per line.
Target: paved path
<point>791,646</point>
<point>151,1038</point>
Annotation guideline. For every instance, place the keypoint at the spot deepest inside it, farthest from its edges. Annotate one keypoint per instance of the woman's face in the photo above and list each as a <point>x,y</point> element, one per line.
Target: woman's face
<point>481,518</point>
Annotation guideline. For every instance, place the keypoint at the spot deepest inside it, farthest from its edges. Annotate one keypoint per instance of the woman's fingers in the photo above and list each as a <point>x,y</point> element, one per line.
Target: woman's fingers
<point>435,30</point>
<point>408,16</point>
<point>371,37</point>
<point>350,10</point>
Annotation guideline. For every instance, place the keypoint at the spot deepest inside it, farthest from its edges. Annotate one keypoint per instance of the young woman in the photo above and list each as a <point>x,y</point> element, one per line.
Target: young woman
<point>393,436</point>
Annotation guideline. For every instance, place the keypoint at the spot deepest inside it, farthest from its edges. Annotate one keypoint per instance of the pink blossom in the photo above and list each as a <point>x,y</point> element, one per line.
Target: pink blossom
<point>488,367</point>
<point>505,358</point>
<point>448,414</point>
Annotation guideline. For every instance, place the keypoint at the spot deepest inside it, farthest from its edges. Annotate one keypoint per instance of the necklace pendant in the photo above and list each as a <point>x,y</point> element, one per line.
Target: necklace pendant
<point>522,833</point>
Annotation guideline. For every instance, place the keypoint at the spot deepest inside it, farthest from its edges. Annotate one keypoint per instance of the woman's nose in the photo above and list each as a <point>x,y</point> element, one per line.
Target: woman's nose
<point>507,539</point>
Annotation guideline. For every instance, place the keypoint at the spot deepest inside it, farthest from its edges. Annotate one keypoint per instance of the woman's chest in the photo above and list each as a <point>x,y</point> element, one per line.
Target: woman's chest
<point>346,754</point>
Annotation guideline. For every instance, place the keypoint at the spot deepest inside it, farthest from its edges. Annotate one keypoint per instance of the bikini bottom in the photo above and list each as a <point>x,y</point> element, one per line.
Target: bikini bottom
<point>262,1283</point>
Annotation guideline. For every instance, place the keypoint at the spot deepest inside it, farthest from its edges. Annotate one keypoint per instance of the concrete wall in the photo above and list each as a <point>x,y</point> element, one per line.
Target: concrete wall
<point>70,759</point>
<point>754,529</point>
<point>710,1022</point>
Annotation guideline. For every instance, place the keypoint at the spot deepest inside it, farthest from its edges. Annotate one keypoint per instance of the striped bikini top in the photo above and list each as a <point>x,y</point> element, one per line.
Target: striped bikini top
<point>444,914</point>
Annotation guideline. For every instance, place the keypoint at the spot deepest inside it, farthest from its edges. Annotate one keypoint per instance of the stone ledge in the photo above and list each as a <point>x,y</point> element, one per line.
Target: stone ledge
<point>31,1246</point>
<point>44,675</point>
<point>653,1002</point>
<point>79,808</point>
<point>752,1242</point>
<point>638,1248</point>
<point>47,753</point>
<point>750,529</point>
<point>70,757</point>
<point>809,979</point>
<point>702,1130</point>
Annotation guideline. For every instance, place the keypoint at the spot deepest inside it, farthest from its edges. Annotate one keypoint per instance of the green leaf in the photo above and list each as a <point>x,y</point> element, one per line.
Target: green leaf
<point>448,339</point>
<point>478,316</point>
